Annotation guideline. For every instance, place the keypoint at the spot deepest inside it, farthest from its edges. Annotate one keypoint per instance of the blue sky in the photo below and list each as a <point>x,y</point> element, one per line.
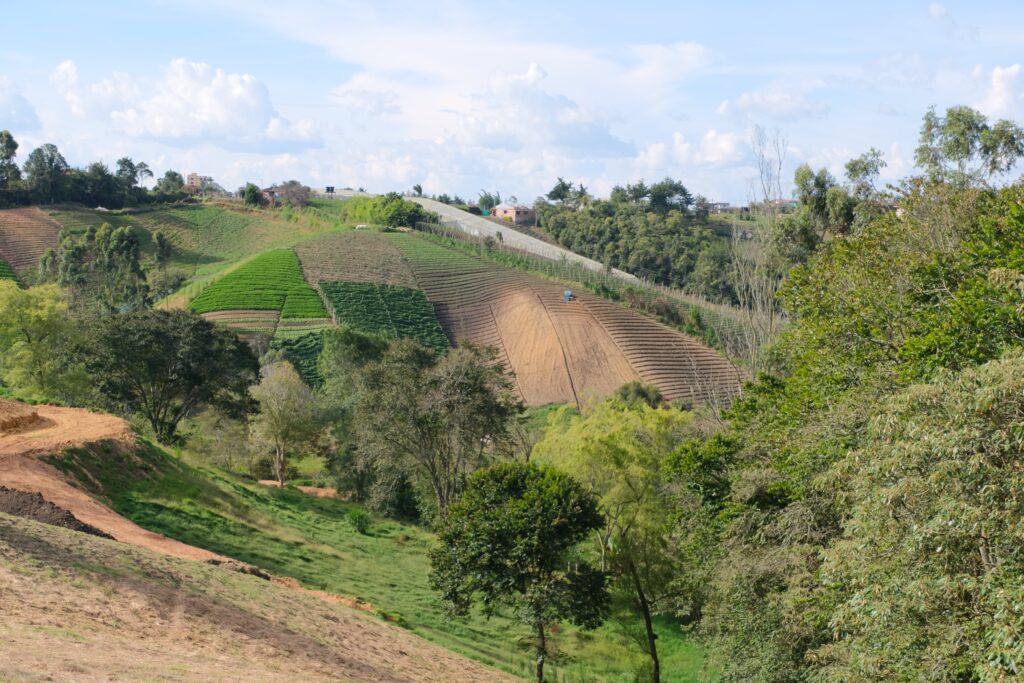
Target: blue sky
<point>460,96</point>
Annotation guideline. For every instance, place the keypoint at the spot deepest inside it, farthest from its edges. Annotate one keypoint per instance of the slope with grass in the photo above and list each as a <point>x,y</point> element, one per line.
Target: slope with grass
<point>287,532</point>
<point>81,608</point>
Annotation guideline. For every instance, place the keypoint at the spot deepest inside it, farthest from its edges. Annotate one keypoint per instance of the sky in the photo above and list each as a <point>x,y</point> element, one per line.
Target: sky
<point>462,96</point>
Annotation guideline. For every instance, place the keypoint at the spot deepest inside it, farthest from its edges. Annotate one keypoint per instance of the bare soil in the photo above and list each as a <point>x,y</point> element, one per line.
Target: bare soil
<point>34,506</point>
<point>15,416</point>
<point>24,235</point>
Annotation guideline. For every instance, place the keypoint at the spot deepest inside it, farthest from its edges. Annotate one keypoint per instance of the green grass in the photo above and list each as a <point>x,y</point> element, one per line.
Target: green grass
<point>303,351</point>
<point>311,539</point>
<point>271,281</point>
<point>387,310</point>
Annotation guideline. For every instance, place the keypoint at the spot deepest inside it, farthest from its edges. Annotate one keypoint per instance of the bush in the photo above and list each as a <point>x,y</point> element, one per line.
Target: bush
<point>360,521</point>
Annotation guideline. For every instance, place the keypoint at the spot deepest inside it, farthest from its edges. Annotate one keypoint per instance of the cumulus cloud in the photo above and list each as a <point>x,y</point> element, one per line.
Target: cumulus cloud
<point>775,103</point>
<point>1004,95</point>
<point>94,99</point>
<point>516,113</point>
<point>16,112</point>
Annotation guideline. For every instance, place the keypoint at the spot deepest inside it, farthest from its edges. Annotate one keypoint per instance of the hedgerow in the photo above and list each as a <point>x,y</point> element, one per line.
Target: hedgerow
<point>272,281</point>
<point>387,310</point>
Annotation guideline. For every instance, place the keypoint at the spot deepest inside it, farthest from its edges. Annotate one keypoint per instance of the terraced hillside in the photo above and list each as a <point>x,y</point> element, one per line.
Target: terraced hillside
<point>24,235</point>
<point>560,351</point>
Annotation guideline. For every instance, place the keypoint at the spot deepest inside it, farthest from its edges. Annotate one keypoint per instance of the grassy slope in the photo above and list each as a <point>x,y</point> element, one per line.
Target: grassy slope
<point>290,533</point>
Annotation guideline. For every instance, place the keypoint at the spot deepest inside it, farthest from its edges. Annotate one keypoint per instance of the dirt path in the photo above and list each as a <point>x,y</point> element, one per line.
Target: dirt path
<point>57,429</point>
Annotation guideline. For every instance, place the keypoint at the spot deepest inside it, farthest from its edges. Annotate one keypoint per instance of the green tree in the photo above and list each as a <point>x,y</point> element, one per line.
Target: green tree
<point>36,334</point>
<point>251,195</point>
<point>510,542</point>
<point>166,365</point>
<point>617,451</point>
<point>288,418</point>
<point>170,183</point>
<point>10,175</point>
<point>164,248</point>
<point>964,148</point>
<point>434,420</point>
<point>45,171</point>
<point>561,191</point>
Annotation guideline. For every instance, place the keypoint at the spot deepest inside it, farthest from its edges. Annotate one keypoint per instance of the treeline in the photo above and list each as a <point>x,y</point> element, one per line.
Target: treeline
<point>46,178</point>
<point>659,231</point>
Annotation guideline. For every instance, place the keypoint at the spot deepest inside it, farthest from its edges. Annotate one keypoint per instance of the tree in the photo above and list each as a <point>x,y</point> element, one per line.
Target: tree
<point>287,417</point>
<point>10,175</point>
<point>617,451</point>
<point>417,190</point>
<point>488,200</point>
<point>165,365</point>
<point>36,334</point>
<point>434,420</point>
<point>510,542</point>
<point>963,148</point>
<point>45,169</point>
<point>164,248</point>
<point>561,191</point>
<point>251,195</point>
<point>131,174</point>
<point>294,193</point>
<point>170,183</point>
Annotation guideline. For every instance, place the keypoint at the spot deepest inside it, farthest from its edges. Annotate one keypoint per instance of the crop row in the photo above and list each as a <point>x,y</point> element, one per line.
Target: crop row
<point>303,352</point>
<point>387,310</point>
<point>354,256</point>
<point>271,281</point>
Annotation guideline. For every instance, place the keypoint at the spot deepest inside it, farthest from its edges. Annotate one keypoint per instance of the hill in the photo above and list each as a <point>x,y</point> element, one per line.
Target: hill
<point>559,351</point>
<point>24,235</point>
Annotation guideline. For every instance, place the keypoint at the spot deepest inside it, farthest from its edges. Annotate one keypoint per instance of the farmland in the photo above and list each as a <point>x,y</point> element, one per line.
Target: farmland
<point>559,351</point>
<point>387,310</point>
<point>354,256</point>
<point>24,235</point>
<point>303,351</point>
<point>270,282</point>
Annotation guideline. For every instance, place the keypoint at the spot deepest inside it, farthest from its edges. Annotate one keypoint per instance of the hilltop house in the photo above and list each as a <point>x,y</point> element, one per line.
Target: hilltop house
<point>194,182</point>
<point>514,213</point>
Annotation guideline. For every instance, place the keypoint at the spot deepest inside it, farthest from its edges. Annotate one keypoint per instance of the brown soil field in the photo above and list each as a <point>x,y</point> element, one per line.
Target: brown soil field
<point>353,256</point>
<point>34,506</point>
<point>24,235</point>
<point>576,351</point>
<point>78,608</point>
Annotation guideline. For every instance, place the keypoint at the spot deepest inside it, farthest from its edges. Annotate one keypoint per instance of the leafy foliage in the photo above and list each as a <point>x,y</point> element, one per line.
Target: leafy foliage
<point>303,352</point>
<point>386,310</point>
<point>509,542</point>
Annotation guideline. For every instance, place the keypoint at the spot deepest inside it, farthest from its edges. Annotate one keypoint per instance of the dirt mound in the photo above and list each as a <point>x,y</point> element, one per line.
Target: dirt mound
<point>34,506</point>
<point>14,415</point>
<point>241,568</point>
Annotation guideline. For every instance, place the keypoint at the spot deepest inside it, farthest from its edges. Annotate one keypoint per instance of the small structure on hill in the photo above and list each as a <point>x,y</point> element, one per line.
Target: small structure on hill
<point>518,214</point>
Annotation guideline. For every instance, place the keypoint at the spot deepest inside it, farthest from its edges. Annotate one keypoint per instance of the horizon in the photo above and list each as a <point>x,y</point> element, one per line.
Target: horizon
<point>460,98</point>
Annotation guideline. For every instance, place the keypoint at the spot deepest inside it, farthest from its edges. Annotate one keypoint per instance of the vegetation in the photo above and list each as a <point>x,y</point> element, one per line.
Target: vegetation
<point>287,419</point>
<point>509,542</point>
<point>166,365</point>
<point>303,352</point>
<point>389,210</point>
<point>6,272</point>
<point>271,281</point>
<point>387,310</point>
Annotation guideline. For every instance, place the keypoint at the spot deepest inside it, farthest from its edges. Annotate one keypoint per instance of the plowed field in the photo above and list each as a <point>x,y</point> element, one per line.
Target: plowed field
<point>24,235</point>
<point>560,351</point>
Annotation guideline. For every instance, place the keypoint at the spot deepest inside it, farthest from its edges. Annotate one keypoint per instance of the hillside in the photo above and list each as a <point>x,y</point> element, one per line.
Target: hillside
<point>24,235</point>
<point>78,607</point>
<point>559,351</point>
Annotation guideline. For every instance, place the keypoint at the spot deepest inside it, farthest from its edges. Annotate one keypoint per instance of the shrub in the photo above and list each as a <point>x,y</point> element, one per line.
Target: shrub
<point>360,521</point>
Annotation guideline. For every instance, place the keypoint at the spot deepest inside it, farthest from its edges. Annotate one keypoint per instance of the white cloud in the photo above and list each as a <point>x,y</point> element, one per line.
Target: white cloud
<point>937,10</point>
<point>1005,95</point>
<point>95,99</point>
<point>775,103</point>
<point>668,63</point>
<point>16,112</point>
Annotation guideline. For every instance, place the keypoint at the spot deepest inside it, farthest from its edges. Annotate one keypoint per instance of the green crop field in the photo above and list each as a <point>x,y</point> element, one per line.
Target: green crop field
<point>270,282</point>
<point>387,310</point>
<point>303,351</point>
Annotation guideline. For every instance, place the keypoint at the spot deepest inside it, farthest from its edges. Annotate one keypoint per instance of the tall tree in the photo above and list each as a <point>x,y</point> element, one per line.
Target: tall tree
<point>165,365</point>
<point>170,183</point>
<point>434,420</point>
<point>287,418</point>
<point>45,171</point>
<point>962,147</point>
<point>510,541</point>
<point>9,172</point>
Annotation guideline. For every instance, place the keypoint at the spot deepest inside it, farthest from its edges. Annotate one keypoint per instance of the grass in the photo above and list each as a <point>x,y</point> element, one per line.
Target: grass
<point>387,310</point>
<point>271,281</point>
<point>311,539</point>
